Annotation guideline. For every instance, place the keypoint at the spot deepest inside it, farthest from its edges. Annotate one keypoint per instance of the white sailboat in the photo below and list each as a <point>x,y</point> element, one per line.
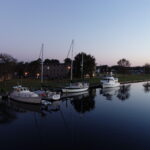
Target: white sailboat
<point>75,87</point>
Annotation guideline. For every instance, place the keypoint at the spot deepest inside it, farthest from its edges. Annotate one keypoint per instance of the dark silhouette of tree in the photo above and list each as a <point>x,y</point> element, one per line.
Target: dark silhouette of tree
<point>67,61</point>
<point>147,68</point>
<point>89,65</point>
<point>21,68</point>
<point>51,62</point>
<point>34,67</point>
<point>84,103</point>
<point>124,65</point>
<point>124,92</point>
<point>7,65</point>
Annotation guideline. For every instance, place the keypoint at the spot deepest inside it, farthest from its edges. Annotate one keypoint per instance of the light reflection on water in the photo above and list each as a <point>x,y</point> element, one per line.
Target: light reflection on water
<point>101,119</point>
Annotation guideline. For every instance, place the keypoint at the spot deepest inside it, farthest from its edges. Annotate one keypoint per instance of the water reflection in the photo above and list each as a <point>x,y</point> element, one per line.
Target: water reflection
<point>23,107</point>
<point>65,124</point>
<point>124,92</point>
<point>146,87</point>
<point>6,113</point>
<point>84,102</point>
<point>109,92</point>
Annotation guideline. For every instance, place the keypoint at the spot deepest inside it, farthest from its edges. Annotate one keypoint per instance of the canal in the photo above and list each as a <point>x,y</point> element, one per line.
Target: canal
<point>109,119</point>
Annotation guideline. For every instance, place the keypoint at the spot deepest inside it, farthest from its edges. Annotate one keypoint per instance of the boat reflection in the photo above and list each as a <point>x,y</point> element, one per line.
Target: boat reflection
<point>23,107</point>
<point>85,102</point>
<point>122,92</point>
<point>109,92</point>
<point>146,87</point>
<point>7,115</point>
<point>77,95</point>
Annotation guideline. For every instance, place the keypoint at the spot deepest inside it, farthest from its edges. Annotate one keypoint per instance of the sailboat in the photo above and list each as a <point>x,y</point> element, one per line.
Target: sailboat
<point>49,94</point>
<point>79,86</point>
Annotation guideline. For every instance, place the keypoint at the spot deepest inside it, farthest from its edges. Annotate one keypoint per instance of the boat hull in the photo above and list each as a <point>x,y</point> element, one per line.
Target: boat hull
<point>70,90</point>
<point>31,100</point>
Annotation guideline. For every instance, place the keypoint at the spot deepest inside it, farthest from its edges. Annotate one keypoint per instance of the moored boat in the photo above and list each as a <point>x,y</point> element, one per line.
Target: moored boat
<point>109,82</point>
<point>22,94</point>
<point>77,87</point>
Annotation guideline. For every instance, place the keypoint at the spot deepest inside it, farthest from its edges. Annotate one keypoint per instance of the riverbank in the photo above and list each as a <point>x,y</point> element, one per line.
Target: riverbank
<point>35,84</point>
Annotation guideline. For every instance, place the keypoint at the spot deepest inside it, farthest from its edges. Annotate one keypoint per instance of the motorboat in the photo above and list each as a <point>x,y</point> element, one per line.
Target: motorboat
<point>22,94</point>
<point>109,82</point>
<point>76,87</point>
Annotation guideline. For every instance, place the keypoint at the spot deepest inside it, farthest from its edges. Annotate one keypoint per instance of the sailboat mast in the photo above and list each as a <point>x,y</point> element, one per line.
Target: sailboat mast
<point>42,49</point>
<point>72,44</point>
<point>82,67</point>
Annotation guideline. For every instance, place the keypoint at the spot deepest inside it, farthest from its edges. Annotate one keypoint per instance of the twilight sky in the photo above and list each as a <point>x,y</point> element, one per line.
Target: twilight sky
<point>107,29</point>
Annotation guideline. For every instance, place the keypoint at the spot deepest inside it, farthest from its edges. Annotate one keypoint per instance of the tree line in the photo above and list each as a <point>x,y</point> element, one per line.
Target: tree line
<point>124,67</point>
<point>10,66</point>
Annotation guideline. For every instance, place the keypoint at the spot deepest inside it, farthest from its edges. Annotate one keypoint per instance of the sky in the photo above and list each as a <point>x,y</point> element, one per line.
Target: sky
<point>107,29</point>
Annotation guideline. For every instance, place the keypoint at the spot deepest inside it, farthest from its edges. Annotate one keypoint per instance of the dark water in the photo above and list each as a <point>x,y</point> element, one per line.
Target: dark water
<point>117,119</point>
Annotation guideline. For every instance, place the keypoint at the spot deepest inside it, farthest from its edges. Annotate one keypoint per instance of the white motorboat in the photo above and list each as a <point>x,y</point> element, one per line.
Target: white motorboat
<point>109,82</point>
<point>22,94</point>
<point>76,87</point>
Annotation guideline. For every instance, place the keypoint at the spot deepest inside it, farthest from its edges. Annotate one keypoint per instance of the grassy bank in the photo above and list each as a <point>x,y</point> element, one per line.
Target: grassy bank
<point>33,83</point>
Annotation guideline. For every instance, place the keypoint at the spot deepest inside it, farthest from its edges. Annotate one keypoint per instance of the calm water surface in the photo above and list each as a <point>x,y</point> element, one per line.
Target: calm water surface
<point>113,119</point>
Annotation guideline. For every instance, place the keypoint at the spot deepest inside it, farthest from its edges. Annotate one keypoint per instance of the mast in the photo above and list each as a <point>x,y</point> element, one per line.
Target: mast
<point>82,67</point>
<point>72,44</point>
<point>42,49</point>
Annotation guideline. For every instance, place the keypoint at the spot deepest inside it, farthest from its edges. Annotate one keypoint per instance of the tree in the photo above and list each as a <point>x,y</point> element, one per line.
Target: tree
<point>67,61</point>
<point>51,62</point>
<point>147,68</point>
<point>7,65</point>
<point>34,67</point>
<point>124,63</point>
<point>88,65</point>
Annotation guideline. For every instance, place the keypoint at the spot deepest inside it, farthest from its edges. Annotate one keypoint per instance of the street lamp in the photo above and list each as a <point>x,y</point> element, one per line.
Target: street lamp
<point>37,75</point>
<point>26,73</point>
<point>68,67</point>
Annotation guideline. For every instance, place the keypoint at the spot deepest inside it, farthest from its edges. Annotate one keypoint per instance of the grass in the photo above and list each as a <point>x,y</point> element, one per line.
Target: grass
<point>36,84</point>
<point>133,78</point>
